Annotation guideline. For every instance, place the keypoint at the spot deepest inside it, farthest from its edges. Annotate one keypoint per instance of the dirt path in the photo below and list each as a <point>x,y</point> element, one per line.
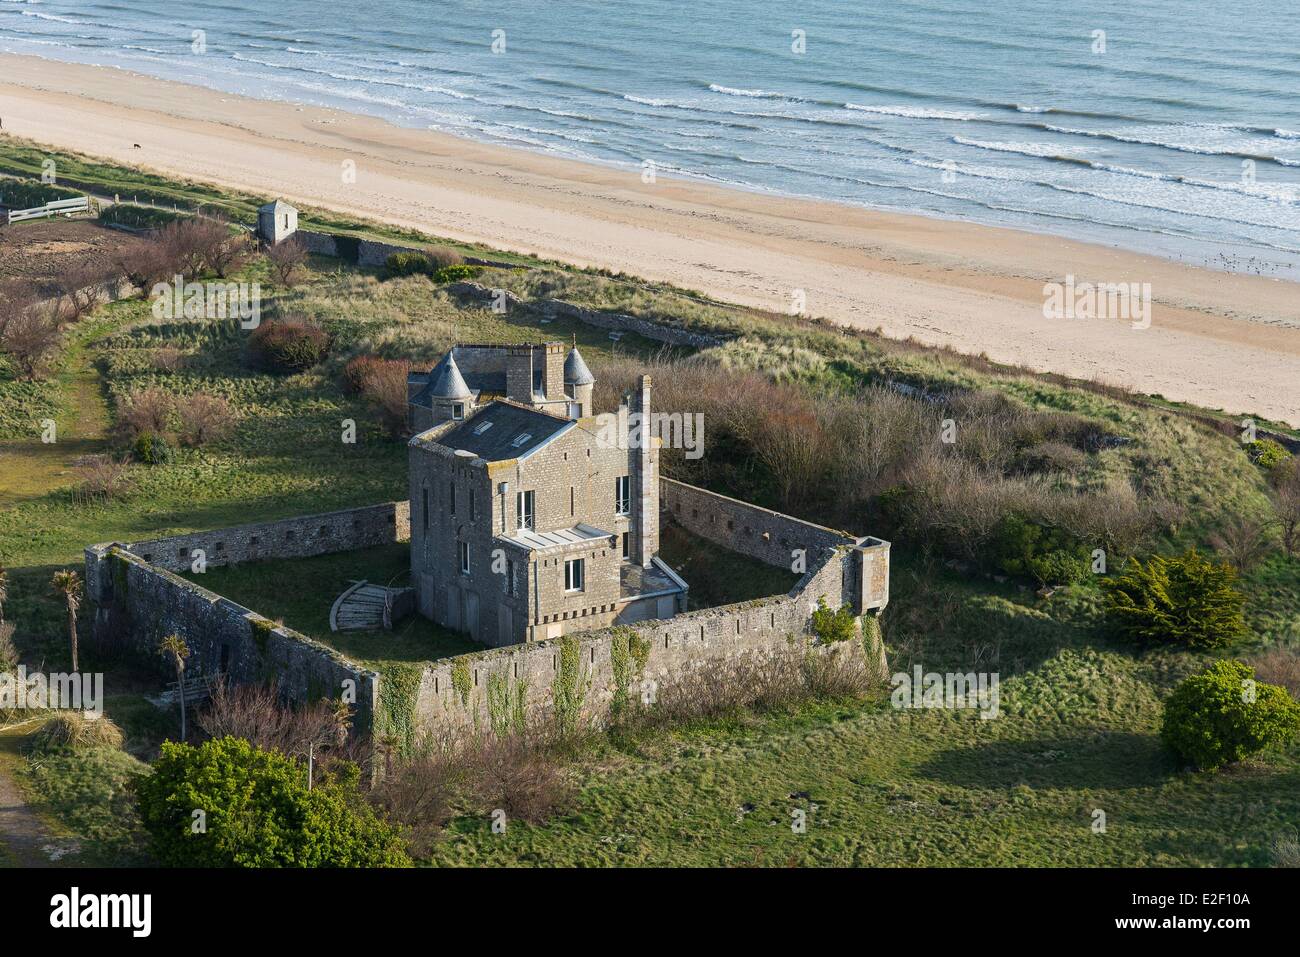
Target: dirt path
<point>29,467</point>
<point>23,834</point>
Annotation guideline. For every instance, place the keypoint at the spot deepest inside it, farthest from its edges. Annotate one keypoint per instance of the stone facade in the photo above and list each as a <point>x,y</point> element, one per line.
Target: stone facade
<point>483,564</point>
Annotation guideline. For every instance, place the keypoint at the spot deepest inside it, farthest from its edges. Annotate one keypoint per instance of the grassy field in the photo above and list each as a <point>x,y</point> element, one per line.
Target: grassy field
<point>1077,732</point>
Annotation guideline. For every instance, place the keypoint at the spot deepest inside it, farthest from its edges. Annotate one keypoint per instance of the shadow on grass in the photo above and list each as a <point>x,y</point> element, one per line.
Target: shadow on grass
<point>1101,759</point>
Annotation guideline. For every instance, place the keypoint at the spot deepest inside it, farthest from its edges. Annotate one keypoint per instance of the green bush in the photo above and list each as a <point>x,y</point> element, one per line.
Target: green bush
<point>138,217</point>
<point>1267,453</point>
<point>288,345</point>
<point>257,812</point>
<point>456,273</point>
<point>1048,555</point>
<point>28,194</point>
<point>1223,715</point>
<point>408,264</point>
<point>1187,600</point>
<point>153,449</point>
<point>833,626</point>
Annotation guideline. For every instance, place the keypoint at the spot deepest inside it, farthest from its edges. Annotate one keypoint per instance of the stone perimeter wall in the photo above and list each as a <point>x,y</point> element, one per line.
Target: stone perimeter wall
<point>765,627</point>
<point>139,600</point>
<point>138,597</point>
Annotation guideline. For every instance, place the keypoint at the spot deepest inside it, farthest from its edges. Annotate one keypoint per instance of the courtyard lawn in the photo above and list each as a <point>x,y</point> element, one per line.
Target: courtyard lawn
<point>717,576</point>
<point>300,591</point>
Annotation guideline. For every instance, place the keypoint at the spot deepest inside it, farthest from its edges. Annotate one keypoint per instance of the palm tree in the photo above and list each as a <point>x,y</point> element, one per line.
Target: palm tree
<point>4,592</point>
<point>174,647</point>
<point>68,584</point>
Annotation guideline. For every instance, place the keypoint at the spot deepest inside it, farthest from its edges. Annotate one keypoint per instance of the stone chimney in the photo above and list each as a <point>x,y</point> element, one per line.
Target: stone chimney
<point>553,374</point>
<point>645,478</point>
<point>519,374</point>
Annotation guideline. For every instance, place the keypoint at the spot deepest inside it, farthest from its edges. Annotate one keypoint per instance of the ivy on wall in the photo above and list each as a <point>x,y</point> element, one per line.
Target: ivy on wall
<point>399,684</point>
<point>569,690</point>
<point>628,654</point>
<point>506,705</point>
<point>460,681</point>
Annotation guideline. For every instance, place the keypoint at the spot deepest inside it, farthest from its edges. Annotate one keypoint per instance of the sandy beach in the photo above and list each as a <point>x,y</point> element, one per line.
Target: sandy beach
<point>1217,339</point>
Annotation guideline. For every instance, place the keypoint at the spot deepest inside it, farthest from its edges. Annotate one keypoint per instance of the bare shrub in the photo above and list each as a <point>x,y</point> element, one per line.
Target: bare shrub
<point>204,418</point>
<point>288,344</point>
<point>1279,666</point>
<point>146,412</point>
<point>81,289</point>
<point>1286,504</point>
<point>102,477</point>
<point>521,775</point>
<point>384,386</point>
<point>220,250</point>
<point>29,335</point>
<point>1242,541</point>
<point>255,713</point>
<point>419,794</point>
<point>286,260</point>
<point>149,263</point>
<point>757,682</point>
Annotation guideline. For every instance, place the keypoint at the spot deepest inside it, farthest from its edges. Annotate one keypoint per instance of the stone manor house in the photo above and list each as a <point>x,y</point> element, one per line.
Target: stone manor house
<point>530,516</point>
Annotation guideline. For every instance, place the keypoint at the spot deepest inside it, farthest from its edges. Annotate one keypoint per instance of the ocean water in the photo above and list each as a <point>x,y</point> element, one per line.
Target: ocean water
<point>1180,137</point>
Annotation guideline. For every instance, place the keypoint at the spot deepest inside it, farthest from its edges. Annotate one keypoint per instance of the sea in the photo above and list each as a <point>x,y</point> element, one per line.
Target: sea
<point>1169,127</point>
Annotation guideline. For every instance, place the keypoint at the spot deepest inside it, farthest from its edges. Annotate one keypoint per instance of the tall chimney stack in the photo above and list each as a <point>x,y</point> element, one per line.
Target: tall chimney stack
<point>645,480</point>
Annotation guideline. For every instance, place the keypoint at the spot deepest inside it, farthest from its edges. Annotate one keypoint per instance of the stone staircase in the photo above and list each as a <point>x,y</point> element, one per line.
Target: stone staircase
<point>367,607</point>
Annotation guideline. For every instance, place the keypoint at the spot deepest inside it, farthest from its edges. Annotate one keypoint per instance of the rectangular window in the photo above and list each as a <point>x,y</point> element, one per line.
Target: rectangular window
<point>424,505</point>
<point>524,517</point>
<point>464,557</point>
<point>472,510</point>
<point>573,574</point>
<point>622,494</point>
<point>510,576</point>
<point>458,410</point>
<point>573,500</point>
<point>451,498</point>
<point>627,548</point>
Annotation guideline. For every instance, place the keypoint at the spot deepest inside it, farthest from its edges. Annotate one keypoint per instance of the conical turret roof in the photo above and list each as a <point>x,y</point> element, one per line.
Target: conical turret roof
<point>575,370</point>
<point>445,382</point>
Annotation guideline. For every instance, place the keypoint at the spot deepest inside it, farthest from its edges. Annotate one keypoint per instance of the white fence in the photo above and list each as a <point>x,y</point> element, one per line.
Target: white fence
<point>59,208</point>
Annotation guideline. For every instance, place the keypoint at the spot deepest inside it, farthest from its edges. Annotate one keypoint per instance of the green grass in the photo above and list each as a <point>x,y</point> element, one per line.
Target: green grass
<point>300,591</point>
<point>87,792</point>
<point>1077,733</point>
<point>717,576</point>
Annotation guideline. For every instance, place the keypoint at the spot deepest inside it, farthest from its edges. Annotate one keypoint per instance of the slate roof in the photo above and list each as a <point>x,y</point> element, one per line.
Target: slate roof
<point>506,424</point>
<point>446,382</point>
<point>575,370</point>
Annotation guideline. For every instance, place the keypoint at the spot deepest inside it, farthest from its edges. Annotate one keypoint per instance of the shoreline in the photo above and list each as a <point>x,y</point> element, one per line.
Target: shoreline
<point>1217,339</point>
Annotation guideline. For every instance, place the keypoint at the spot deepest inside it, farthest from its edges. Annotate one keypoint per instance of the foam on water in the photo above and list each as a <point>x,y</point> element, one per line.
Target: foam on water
<point>1183,140</point>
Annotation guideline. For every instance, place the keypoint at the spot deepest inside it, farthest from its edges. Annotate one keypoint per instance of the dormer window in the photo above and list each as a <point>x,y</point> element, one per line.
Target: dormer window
<point>458,410</point>
<point>521,440</point>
